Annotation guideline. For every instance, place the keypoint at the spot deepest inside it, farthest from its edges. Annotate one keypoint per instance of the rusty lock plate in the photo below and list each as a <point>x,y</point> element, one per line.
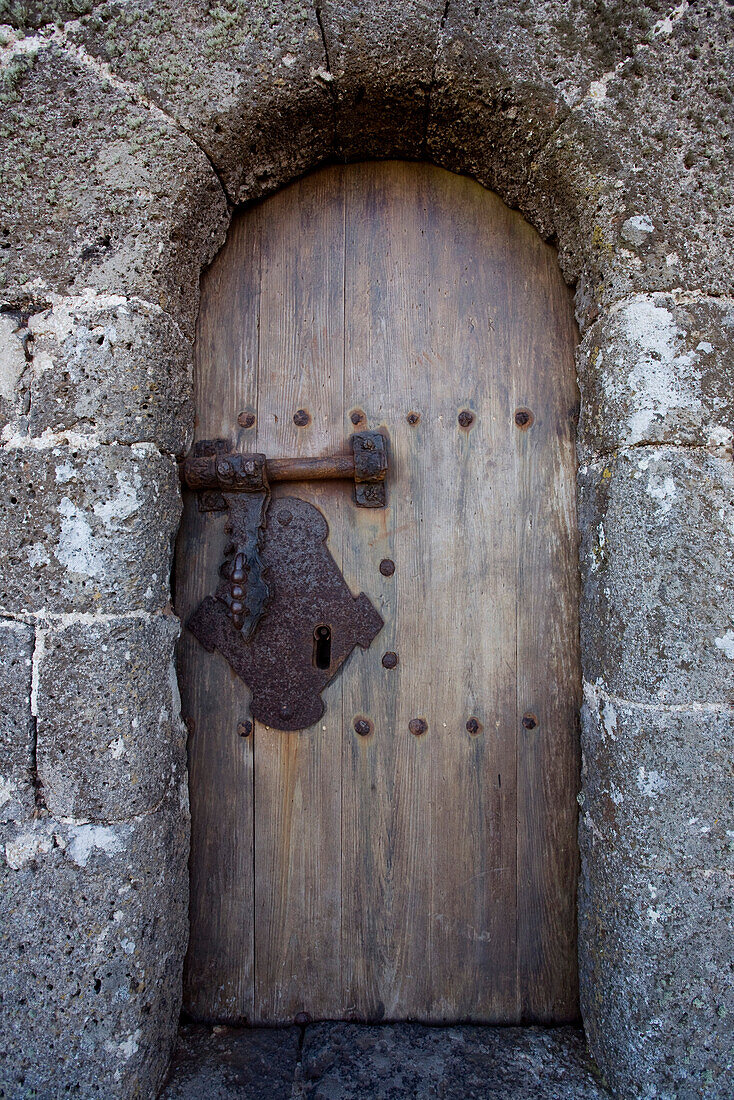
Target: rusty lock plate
<point>310,625</point>
<point>282,614</point>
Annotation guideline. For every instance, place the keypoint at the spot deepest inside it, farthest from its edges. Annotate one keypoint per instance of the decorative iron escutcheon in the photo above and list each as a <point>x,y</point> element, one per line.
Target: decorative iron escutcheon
<point>283,615</point>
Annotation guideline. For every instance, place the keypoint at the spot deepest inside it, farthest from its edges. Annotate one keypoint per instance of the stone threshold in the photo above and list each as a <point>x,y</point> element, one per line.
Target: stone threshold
<point>339,1061</point>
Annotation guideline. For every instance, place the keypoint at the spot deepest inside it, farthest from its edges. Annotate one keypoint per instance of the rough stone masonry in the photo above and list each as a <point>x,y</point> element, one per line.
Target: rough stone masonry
<point>130,129</point>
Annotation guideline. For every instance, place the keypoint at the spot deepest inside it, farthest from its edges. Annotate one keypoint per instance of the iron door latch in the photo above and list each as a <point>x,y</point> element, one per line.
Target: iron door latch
<point>214,469</point>
<point>283,615</point>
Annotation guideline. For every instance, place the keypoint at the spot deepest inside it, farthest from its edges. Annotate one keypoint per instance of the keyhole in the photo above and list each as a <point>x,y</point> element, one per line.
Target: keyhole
<point>322,646</point>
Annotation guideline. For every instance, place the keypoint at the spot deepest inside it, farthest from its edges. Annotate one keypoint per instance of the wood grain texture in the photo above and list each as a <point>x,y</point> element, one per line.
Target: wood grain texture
<point>548,658</point>
<point>387,776</point>
<point>219,971</point>
<point>298,775</point>
<point>395,876</point>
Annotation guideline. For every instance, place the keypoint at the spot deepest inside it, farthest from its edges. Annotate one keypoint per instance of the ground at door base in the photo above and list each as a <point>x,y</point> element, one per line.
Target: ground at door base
<point>338,1061</point>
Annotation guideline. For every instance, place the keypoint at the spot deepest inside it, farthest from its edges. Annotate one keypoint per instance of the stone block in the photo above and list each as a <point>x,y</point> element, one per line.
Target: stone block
<point>636,184</point>
<point>657,978</point>
<point>249,82</point>
<point>381,58</point>
<point>610,130</point>
<point>106,193</point>
<point>13,363</point>
<point>656,370</point>
<point>657,784</point>
<point>498,93</point>
<point>115,369</point>
<point>657,555</point>
<point>93,928</point>
<point>17,734</point>
<point>86,530</point>
<point>110,739</point>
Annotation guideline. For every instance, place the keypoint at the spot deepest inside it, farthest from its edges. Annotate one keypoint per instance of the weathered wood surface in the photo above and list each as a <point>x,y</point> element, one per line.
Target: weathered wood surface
<point>396,876</point>
<point>219,973</point>
<point>297,776</point>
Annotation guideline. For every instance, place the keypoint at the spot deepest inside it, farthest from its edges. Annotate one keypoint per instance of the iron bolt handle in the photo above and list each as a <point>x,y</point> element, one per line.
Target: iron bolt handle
<point>214,466</point>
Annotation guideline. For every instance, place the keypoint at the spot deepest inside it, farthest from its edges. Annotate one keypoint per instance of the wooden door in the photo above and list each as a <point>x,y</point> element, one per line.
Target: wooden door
<point>396,876</point>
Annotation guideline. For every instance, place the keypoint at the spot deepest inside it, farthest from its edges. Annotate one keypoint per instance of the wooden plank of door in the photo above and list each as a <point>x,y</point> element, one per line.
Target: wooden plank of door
<point>548,684</point>
<point>386,776</point>
<point>429,833</point>
<point>298,775</point>
<point>218,982</point>
<point>473,933</point>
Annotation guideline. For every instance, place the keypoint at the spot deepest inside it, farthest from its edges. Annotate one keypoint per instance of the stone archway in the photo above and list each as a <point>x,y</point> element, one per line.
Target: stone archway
<point>129,134</point>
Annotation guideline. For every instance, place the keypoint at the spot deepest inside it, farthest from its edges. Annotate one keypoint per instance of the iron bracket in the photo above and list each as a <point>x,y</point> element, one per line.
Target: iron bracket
<point>214,469</point>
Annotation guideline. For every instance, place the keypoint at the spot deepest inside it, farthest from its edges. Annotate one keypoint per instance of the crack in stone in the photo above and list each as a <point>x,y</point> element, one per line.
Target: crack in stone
<point>330,88</point>
<point>105,823</point>
<point>90,298</point>
<point>432,82</point>
<point>320,21</point>
<point>593,693</point>
<point>35,780</point>
<point>38,797</point>
<point>111,822</point>
<point>22,385</point>
<point>43,618</point>
<point>297,1083</point>
<point>38,620</point>
<point>600,457</point>
<point>25,305</point>
<point>680,296</point>
<point>49,441</point>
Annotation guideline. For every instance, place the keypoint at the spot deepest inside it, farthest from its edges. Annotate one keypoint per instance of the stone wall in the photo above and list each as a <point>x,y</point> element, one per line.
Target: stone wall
<point>129,130</point>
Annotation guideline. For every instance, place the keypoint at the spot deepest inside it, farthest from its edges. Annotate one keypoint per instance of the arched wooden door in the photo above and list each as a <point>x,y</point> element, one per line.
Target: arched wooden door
<point>395,874</point>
